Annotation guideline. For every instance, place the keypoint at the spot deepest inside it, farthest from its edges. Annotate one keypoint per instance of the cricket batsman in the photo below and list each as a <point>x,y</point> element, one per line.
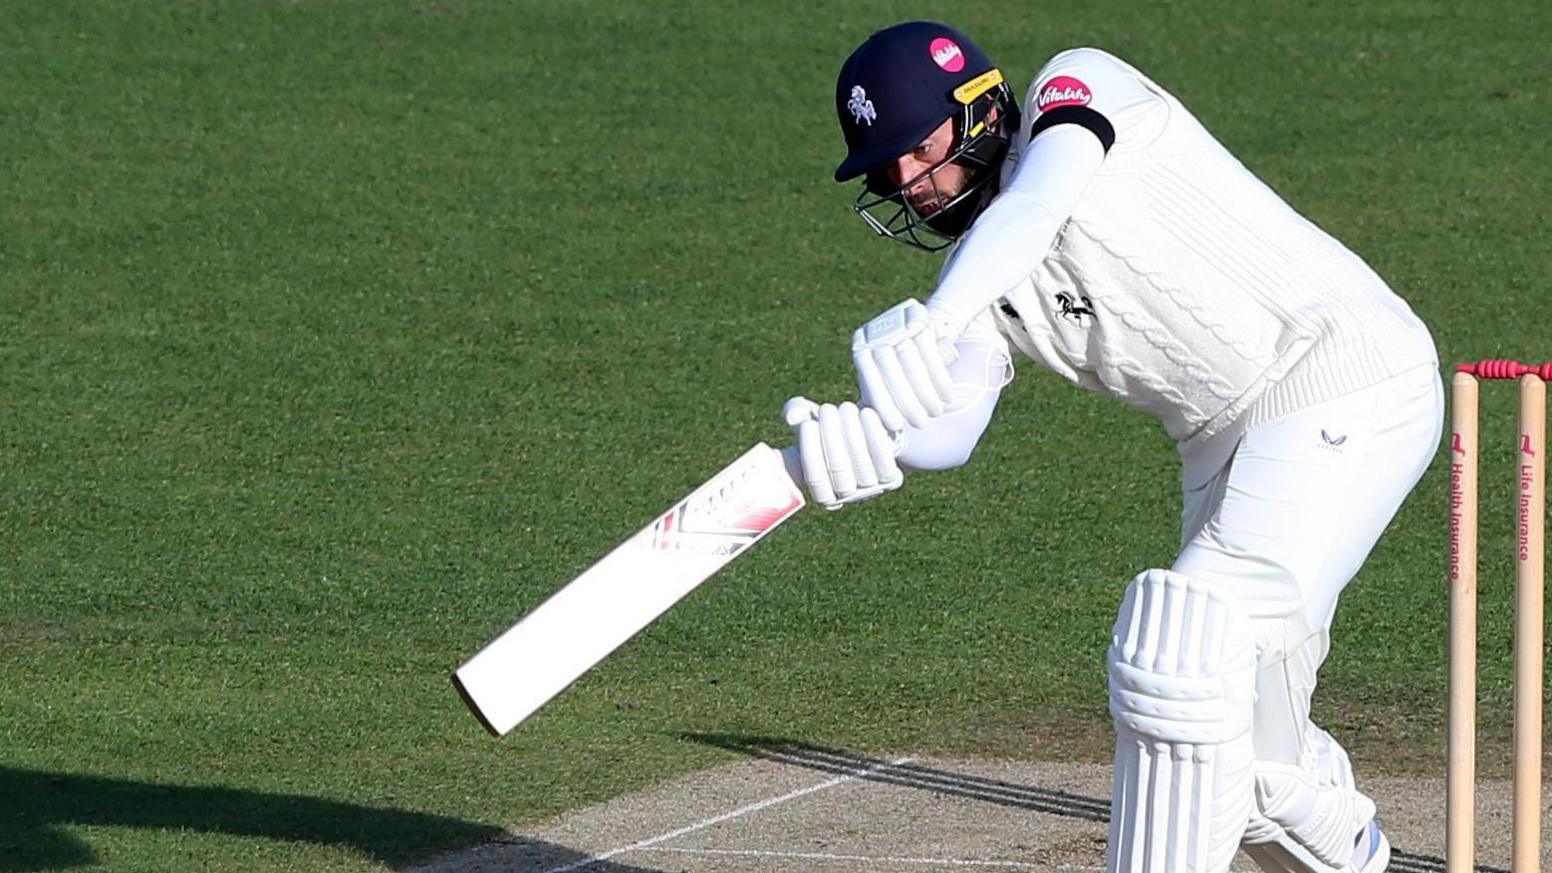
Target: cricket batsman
<point>1100,230</point>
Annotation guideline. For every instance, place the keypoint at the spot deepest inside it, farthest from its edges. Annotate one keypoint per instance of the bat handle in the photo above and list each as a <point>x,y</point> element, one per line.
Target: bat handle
<point>793,462</point>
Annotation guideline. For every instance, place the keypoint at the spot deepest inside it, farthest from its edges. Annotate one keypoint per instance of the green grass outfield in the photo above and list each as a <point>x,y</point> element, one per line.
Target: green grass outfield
<point>334,336</point>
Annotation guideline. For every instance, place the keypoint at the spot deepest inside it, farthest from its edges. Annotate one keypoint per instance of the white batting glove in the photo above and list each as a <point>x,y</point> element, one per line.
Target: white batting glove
<point>902,366</point>
<point>847,455</point>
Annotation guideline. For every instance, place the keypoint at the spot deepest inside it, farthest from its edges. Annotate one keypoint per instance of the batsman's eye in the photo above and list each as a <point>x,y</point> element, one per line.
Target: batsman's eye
<point>880,184</point>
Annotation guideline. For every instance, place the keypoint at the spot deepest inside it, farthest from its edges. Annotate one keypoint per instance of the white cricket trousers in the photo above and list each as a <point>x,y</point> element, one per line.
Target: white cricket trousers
<point>1289,520</point>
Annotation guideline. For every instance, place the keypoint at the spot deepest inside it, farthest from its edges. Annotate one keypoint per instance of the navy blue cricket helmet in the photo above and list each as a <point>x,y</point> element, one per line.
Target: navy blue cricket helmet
<point>895,90</point>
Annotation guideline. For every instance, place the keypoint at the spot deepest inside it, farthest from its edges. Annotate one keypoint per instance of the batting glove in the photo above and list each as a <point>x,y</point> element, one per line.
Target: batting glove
<point>902,366</point>
<point>846,453</point>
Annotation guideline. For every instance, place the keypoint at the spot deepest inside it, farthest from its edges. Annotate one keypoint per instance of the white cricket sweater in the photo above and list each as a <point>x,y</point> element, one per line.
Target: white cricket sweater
<point>1178,283</point>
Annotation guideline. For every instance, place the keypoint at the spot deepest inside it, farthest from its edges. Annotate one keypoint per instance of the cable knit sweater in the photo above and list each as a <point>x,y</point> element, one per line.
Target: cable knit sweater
<point>1174,280</point>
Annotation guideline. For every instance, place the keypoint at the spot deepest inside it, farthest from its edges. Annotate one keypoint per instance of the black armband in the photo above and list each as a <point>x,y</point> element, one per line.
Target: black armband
<point>1082,116</point>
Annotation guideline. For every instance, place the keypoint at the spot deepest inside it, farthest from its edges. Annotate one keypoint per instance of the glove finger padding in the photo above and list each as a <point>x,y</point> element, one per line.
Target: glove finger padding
<point>899,388</point>
<point>881,449</point>
<point>815,474</point>
<point>838,457</point>
<point>919,379</point>
<point>902,366</point>
<point>871,384</point>
<point>936,354</point>
<point>857,446</point>
<point>846,453</point>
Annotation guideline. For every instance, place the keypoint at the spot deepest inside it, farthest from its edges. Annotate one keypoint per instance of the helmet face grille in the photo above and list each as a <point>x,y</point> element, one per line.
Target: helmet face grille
<point>885,207</point>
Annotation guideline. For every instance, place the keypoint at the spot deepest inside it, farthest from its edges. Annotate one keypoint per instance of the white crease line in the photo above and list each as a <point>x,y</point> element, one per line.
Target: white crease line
<point>950,862</point>
<point>828,856</point>
<point>743,810</point>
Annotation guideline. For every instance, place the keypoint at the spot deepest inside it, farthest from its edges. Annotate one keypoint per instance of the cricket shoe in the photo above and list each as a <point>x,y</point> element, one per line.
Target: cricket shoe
<point>1371,851</point>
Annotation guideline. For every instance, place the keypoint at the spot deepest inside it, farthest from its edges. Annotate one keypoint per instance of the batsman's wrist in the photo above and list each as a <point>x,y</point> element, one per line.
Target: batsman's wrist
<point>947,318</point>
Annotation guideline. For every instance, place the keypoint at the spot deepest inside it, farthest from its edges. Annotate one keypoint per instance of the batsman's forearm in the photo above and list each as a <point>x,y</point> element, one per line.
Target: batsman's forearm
<point>948,440</point>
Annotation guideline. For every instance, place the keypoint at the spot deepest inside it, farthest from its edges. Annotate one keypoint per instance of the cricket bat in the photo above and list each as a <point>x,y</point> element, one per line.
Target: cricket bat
<point>594,614</point>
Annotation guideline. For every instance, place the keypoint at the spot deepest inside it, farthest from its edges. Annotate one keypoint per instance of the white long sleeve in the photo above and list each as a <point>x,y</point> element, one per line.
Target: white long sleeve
<point>1009,240</point>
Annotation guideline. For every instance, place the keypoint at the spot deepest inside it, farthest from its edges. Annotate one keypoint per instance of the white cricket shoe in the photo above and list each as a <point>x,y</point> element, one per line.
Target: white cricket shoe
<point>1371,851</point>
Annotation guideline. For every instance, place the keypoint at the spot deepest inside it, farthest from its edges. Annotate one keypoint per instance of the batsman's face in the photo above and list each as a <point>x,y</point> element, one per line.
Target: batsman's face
<point>931,190</point>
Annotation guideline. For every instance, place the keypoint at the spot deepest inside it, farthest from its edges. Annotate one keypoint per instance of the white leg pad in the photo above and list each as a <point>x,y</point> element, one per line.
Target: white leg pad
<point>1182,688</point>
<point>1307,816</point>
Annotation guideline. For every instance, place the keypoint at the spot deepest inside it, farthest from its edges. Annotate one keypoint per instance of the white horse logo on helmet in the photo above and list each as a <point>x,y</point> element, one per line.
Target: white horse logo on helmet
<point>861,107</point>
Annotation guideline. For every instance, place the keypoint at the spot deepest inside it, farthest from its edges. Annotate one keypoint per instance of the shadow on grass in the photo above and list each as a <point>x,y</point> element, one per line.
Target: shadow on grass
<point>947,782</point>
<point>34,804</point>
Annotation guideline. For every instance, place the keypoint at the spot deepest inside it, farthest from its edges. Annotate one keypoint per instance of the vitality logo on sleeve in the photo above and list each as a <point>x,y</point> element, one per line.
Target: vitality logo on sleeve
<point>1062,91</point>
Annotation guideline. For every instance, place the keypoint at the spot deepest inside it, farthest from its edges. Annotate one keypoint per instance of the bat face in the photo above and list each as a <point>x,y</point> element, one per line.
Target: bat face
<point>728,513</point>
<point>627,589</point>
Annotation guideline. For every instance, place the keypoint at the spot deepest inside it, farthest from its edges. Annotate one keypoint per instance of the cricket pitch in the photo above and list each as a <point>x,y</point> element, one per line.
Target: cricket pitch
<point>793,807</point>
